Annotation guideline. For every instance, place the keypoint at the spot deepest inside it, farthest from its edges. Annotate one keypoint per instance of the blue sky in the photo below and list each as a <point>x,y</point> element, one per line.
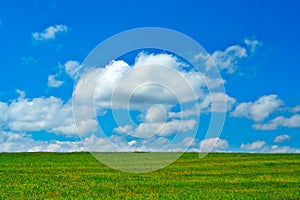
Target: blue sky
<point>254,43</point>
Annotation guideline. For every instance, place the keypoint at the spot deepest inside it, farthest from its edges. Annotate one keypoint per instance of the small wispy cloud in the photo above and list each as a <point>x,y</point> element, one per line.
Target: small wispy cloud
<point>53,82</point>
<point>227,60</point>
<point>21,93</point>
<point>254,145</point>
<point>50,32</point>
<point>252,44</point>
<point>230,59</point>
<point>281,138</point>
<point>27,60</point>
<point>295,109</point>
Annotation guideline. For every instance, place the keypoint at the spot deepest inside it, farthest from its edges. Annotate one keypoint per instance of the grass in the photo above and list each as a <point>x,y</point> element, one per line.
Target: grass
<point>216,176</point>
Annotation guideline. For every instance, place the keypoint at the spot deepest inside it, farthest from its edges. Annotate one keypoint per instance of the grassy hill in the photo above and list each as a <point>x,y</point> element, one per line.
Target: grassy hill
<point>216,176</point>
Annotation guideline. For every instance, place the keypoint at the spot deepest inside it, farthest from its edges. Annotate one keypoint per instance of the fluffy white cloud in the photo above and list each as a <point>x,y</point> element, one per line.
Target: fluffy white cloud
<point>166,60</point>
<point>281,138</point>
<point>85,87</point>
<point>39,114</point>
<point>132,142</point>
<point>213,144</point>
<point>146,130</point>
<point>52,82</point>
<point>217,102</point>
<point>254,145</point>
<point>87,126</point>
<point>43,114</point>
<point>227,59</point>
<point>3,110</point>
<point>258,110</point>
<point>138,87</point>
<point>156,113</point>
<point>94,144</point>
<point>280,121</point>
<point>142,80</point>
<point>21,142</point>
<point>50,32</point>
<point>72,68</point>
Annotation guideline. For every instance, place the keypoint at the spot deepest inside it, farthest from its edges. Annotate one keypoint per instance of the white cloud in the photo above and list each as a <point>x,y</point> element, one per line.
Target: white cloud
<point>156,113</point>
<point>132,142</point>
<point>166,60</point>
<point>87,126</point>
<point>281,138</point>
<point>21,142</point>
<point>213,144</point>
<point>183,84</point>
<point>145,130</point>
<point>258,110</point>
<point>72,68</point>
<point>185,113</point>
<point>94,143</point>
<point>155,144</point>
<point>157,122</point>
<point>21,94</point>
<point>217,102</point>
<point>52,82</point>
<point>39,114</point>
<point>254,145</point>
<point>3,110</point>
<point>230,58</point>
<point>295,109</point>
<point>50,32</point>
<point>141,81</point>
<point>214,102</point>
<point>227,59</point>
<point>120,85</point>
<point>252,44</point>
<point>280,121</point>
<point>120,144</point>
<point>279,149</point>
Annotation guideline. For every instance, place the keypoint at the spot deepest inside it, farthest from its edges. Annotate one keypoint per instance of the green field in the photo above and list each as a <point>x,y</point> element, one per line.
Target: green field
<point>217,176</point>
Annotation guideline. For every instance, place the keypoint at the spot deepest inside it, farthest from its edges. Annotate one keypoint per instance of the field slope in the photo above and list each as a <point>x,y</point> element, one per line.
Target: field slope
<point>217,176</point>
